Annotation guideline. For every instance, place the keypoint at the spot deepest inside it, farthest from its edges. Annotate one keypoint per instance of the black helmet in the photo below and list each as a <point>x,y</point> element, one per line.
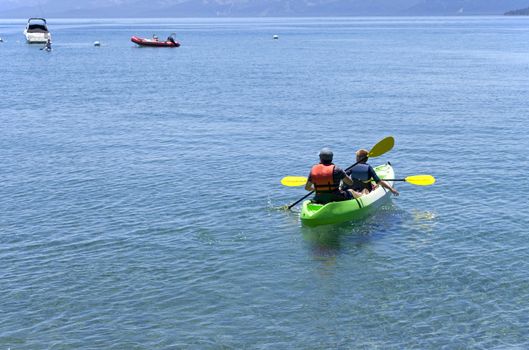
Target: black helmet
<point>326,154</point>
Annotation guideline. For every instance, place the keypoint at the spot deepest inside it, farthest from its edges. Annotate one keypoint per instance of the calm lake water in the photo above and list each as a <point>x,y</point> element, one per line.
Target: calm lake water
<point>139,186</point>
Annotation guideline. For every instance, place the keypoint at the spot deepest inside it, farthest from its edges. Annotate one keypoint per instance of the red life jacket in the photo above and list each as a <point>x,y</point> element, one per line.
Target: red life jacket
<point>322,177</point>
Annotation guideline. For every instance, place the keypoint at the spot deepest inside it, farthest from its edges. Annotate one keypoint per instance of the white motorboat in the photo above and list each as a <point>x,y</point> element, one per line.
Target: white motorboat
<point>36,31</point>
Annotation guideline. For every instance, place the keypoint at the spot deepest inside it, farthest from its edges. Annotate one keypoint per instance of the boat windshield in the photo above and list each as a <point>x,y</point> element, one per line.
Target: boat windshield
<point>37,27</point>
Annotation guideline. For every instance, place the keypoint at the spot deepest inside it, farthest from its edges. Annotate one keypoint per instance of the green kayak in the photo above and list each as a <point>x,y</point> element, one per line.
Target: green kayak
<point>313,214</point>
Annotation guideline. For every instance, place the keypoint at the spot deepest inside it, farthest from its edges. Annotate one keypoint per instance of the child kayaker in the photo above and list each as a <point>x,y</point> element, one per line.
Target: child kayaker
<point>324,179</point>
<point>363,174</point>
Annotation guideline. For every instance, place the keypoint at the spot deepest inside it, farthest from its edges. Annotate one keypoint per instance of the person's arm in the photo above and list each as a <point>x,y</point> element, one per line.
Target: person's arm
<point>309,186</point>
<point>347,180</point>
<point>383,183</point>
<point>342,176</point>
<point>388,187</point>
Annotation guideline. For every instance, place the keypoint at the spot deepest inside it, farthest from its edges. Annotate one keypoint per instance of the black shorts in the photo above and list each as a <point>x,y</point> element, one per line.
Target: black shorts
<point>338,196</point>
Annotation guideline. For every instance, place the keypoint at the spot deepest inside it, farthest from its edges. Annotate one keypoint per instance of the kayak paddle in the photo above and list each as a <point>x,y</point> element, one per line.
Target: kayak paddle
<point>294,181</point>
<point>419,180</point>
<point>383,146</point>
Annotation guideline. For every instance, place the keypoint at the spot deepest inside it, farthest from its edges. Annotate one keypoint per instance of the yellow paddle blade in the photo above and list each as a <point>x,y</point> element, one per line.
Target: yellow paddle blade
<point>420,180</point>
<point>385,145</point>
<point>292,181</point>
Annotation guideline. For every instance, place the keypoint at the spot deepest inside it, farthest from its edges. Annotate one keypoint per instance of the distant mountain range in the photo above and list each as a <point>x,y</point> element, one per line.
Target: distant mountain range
<point>252,8</point>
<point>521,12</point>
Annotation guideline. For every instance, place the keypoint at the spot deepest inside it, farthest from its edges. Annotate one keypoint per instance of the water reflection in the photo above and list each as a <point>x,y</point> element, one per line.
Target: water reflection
<point>329,241</point>
<point>421,227</point>
<point>325,239</point>
<point>425,220</point>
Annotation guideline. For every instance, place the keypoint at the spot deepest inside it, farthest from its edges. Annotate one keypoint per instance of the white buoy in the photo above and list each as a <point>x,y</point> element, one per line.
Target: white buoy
<point>1,40</point>
<point>275,36</point>
<point>97,43</point>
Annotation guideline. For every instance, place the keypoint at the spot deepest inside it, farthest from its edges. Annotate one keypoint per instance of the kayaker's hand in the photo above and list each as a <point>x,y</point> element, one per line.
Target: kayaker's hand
<point>394,191</point>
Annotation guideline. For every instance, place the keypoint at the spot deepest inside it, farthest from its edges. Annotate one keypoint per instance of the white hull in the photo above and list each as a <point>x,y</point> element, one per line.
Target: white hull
<point>37,38</point>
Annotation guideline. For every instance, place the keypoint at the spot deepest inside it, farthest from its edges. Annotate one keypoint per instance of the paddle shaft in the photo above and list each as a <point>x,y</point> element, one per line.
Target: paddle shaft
<point>311,192</point>
<point>419,180</point>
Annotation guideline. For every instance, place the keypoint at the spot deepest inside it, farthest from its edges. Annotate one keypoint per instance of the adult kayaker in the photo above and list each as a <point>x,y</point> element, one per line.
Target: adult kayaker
<point>324,179</point>
<point>362,175</point>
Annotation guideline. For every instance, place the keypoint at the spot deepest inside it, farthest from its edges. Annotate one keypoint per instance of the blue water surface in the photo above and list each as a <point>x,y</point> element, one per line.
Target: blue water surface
<point>139,187</point>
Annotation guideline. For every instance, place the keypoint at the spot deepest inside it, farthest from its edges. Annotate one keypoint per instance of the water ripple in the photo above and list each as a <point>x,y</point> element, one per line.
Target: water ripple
<point>141,203</point>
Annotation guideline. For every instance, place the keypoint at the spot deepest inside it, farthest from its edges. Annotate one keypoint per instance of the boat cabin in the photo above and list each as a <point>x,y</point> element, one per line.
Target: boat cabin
<point>37,25</point>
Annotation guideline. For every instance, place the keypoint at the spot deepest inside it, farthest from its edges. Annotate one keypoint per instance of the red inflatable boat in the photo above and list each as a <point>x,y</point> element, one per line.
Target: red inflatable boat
<point>155,42</point>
